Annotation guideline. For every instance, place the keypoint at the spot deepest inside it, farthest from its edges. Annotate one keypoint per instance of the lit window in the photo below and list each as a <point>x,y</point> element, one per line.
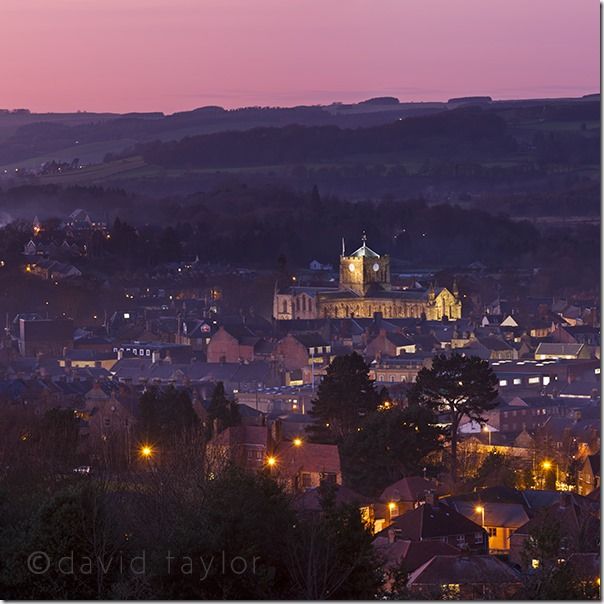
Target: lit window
<point>517,381</point>
<point>534,380</point>
<point>535,563</point>
<point>450,591</point>
<point>503,382</point>
<point>546,380</point>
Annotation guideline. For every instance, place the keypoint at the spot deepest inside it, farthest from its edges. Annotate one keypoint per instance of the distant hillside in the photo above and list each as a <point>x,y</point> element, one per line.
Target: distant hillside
<point>465,131</point>
<point>26,136</point>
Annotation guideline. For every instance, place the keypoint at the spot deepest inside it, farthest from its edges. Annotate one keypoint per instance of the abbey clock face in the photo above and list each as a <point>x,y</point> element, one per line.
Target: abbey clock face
<point>376,267</point>
<point>351,267</point>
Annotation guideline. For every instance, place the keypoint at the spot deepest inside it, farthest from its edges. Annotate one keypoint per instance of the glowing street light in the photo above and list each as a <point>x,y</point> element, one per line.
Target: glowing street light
<point>297,442</point>
<point>546,465</point>
<point>486,429</point>
<point>479,509</point>
<point>271,461</point>
<point>146,451</point>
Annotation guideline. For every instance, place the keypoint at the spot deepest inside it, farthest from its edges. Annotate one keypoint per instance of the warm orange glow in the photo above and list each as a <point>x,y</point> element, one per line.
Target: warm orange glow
<point>146,451</point>
<point>479,509</point>
<point>271,461</point>
<point>297,442</point>
<point>28,268</point>
<point>392,506</point>
<point>546,465</point>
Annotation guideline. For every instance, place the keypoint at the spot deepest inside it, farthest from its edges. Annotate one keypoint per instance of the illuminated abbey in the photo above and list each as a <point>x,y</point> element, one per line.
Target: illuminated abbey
<point>365,289</point>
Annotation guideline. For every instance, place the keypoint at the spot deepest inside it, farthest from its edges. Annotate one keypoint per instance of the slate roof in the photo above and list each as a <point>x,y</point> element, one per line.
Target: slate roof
<point>412,554</point>
<point>557,349</point>
<point>310,457</point>
<point>243,435</point>
<point>311,340</point>
<point>463,570</point>
<point>310,501</point>
<point>364,251</point>
<point>410,488</point>
<point>509,515</point>
<point>432,521</point>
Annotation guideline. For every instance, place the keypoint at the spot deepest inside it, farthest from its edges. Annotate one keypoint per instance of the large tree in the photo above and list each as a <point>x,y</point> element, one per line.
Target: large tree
<point>165,414</point>
<point>345,395</point>
<point>330,555</point>
<point>392,443</point>
<point>459,387</point>
<point>222,410</point>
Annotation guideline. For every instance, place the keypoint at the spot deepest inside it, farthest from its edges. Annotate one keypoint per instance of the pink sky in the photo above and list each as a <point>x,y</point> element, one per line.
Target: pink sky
<point>172,55</point>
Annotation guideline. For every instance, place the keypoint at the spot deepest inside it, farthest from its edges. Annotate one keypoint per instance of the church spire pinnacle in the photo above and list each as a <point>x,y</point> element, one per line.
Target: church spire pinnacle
<point>364,238</point>
<point>343,247</point>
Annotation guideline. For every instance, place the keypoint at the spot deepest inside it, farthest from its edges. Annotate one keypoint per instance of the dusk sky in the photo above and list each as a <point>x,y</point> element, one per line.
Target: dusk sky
<point>172,55</point>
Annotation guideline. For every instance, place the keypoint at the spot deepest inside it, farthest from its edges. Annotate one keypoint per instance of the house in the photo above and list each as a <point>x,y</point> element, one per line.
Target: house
<point>109,420</point>
<point>301,350</point>
<point>459,577</point>
<point>588,478</point>
<point>490,348</point>
<point>88,358</point>
<point>579,522</point>
<point>403,368</point>
<point>297,464</point>
<point>46,336</point>
<point>406,554</point>
<point>389,344</point>
<point>435,521</point>
<point>302,465</point>
<point>579,334</point>
<point>232,344</point>
<point>52,270</point>
<point>553,350</point>
<point>406,494</point>
<point>315,265</point>
<point>310,501</point>
<point>500,519</point>
<point>248,447</point>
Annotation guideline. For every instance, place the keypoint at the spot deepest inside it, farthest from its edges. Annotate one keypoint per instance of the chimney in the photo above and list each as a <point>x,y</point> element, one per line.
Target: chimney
<point>391,535</point>
<point>120,354</point>
<point>155,356</point>
<point>564,500</point>
<point>430,498</point>
<point>276,431</point>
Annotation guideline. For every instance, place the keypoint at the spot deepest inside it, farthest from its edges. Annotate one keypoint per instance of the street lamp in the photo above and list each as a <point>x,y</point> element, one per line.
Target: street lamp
<point>146,451</point>
<point>271,461</point>
<point>297,442</point>
<point>479,509</point>
<point>486,429</point>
